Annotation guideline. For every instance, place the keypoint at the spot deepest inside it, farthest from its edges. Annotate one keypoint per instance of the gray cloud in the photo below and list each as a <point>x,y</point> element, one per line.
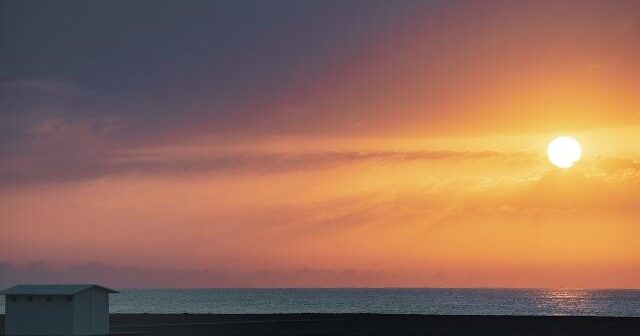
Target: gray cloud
<point>128,277</point>
<point>50,87</point>
<point>79,164</point>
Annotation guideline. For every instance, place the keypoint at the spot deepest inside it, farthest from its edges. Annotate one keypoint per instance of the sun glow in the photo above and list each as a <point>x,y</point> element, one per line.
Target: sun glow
<point>564,152</point>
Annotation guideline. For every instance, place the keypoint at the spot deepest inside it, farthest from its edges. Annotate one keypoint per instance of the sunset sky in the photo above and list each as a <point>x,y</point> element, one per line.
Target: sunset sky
<point>319,143</point>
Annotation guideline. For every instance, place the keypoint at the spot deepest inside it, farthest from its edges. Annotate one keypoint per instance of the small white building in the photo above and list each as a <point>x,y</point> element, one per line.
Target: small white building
<point>56,310</point>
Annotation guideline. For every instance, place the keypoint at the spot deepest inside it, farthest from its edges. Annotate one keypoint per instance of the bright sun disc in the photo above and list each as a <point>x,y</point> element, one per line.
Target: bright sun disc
<point>564,151</point>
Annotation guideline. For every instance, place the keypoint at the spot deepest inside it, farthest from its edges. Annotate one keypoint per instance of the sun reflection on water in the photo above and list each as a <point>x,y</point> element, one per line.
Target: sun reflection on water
<point>567,301</point>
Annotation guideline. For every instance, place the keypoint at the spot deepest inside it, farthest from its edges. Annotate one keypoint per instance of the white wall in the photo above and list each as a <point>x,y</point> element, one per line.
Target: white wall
<point>100,313</point>
<point>91,312</point>
<point>39,317</point>
<point>82,313</point>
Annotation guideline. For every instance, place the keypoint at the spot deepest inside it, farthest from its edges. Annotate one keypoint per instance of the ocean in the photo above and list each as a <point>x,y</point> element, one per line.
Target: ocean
<point>385,301</point>
<point>379,300</point>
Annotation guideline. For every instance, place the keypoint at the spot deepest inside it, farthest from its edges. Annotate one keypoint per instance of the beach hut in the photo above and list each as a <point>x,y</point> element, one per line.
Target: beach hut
<point>57,310</point>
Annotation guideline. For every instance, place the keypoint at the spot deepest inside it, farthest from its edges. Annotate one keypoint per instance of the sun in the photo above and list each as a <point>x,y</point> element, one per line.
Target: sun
<point>564,151</point>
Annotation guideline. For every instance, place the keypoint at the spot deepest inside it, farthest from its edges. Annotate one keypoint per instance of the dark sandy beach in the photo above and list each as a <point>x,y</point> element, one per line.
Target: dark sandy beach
<point>368,324</point>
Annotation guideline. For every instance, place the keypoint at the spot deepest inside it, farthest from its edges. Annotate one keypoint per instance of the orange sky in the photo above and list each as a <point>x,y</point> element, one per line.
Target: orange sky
<point>415,157</point>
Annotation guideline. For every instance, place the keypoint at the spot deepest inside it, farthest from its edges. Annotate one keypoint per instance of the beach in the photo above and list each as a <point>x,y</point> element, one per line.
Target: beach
<point>366,324</point>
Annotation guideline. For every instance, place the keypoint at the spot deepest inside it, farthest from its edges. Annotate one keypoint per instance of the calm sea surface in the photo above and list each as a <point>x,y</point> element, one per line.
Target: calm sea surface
<point>387,301</point>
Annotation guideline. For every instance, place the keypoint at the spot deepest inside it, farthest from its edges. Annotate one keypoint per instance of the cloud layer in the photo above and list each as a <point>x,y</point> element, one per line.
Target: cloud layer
<point>200,144</point>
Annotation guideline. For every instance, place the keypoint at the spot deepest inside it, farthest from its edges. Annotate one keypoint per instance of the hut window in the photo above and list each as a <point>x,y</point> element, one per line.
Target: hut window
<point>49,299</point>
<point>29,298</point>
<point>69,298</point>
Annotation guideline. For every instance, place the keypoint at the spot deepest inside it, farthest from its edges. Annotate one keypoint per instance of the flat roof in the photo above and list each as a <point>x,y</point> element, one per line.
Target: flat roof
<point>52,289</point>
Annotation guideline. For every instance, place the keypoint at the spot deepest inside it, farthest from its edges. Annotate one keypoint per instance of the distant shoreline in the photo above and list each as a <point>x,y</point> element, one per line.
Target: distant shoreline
<point>367,324</point>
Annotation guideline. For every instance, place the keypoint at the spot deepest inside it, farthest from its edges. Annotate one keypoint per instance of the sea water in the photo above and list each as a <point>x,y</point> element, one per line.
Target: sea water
<point>384,301</point>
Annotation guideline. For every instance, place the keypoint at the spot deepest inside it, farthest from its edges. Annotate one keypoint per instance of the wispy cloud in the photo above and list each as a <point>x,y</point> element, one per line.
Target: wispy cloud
<point>44,86</point>
<point>99,159</point>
